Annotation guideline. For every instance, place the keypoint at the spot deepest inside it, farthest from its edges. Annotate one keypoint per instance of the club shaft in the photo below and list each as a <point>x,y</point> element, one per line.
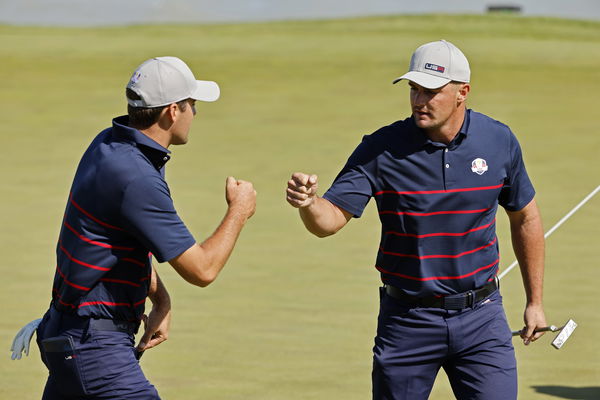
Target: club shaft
<point>550,328</point>
<point>555,227</point>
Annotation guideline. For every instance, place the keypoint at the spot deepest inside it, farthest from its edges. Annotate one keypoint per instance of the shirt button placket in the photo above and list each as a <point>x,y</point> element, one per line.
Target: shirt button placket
<point>445,166</point>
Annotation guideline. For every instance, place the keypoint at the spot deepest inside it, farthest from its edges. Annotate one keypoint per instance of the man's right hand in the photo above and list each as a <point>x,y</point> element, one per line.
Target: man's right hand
<point>201,263</point>
<point>240,196</point>
<point>302,189</point>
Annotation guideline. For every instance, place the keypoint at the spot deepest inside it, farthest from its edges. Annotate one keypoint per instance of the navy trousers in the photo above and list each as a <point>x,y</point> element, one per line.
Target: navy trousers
<point>473,345</point>
<point>85,363</point>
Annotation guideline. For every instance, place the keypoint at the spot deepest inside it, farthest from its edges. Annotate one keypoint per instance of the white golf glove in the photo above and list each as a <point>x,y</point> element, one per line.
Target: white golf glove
<point>22,339</point>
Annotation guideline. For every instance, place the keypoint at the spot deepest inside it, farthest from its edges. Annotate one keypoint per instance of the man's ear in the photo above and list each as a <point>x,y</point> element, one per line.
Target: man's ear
<point>172,111</point>
<point>463,92</point>
<point>168,116</point>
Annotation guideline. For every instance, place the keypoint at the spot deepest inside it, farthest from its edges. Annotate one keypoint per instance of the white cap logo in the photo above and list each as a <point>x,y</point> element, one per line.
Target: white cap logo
<point>479,166</point>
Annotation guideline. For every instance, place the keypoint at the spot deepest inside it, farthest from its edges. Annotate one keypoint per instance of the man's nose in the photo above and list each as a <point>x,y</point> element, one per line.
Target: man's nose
<point>419,98</point>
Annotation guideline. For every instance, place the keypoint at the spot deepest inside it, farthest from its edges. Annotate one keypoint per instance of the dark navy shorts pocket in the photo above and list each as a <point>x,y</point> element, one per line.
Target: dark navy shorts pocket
<point>62,360</point>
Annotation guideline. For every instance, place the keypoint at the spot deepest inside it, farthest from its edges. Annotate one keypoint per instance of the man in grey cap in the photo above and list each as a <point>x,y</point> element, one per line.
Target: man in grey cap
<point>437,179</point>
<point>119,214</point>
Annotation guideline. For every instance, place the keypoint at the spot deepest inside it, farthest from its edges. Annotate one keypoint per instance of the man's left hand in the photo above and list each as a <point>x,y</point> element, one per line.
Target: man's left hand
<point>534,319</point>
<point>156,328</point>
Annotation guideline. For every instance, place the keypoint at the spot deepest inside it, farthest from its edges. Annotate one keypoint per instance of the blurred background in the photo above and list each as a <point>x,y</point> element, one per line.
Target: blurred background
<point>292,316</point>
<point>117,12</point>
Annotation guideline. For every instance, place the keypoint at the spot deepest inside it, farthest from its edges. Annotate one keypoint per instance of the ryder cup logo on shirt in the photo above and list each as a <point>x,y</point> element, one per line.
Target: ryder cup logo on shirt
<point>479,166</point>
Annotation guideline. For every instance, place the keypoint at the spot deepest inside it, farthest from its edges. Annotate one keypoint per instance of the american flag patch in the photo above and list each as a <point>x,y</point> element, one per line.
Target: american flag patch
<point>436,68</point>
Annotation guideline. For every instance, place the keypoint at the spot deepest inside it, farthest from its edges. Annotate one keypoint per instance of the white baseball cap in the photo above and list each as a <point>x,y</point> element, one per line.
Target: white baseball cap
<point>435,64</point>
<point>161,81</point>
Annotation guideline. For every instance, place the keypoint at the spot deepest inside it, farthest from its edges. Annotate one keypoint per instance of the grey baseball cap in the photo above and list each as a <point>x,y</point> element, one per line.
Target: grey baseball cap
<point>161,81</point>
<point>435,64</point>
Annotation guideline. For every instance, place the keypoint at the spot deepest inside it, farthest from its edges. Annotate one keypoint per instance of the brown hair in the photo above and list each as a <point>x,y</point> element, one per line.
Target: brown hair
<point>143,118</point>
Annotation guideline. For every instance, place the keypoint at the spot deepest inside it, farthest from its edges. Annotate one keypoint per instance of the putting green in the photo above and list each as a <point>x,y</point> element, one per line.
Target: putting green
<point>293,316</point>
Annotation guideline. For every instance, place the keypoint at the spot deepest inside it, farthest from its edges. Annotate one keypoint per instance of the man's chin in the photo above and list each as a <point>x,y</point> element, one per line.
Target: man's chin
<point>423,124</point>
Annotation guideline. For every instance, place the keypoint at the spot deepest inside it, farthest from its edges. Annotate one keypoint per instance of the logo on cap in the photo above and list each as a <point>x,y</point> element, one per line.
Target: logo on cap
<point>479,166</point>
<point>135,77</point>
<point>436,68</point>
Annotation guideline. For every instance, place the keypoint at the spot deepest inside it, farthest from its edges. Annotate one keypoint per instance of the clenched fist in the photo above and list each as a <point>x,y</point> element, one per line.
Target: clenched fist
<point>240,196</point>
<point>302,189</point>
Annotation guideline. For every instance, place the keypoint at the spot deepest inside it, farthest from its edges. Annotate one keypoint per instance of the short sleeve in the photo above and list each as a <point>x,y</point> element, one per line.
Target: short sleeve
<point>352,188</point>
<point>517,191</point>
<point>150,215</point>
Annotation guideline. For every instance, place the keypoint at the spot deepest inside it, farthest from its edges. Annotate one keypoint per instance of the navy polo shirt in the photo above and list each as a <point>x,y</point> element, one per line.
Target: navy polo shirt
<point>119,213</point>
<point>437,203</point>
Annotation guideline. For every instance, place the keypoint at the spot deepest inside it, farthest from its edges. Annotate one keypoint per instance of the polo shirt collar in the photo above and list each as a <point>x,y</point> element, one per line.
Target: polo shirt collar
<point>464,129</point>
<point>421,139</point>
<point>156,153</point>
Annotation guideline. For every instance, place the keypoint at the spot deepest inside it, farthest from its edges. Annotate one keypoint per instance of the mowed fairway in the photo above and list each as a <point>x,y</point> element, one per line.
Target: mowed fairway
<point>293,316</point>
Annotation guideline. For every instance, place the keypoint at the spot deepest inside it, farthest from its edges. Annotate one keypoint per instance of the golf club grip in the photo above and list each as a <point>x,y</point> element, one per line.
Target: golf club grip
<point>550,328</point>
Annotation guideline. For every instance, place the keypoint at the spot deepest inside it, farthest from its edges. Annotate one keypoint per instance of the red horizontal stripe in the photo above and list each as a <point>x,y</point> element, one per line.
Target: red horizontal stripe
<point>139,302</point>
<point>77,206</point>
<point>69,282</point>
<point>440,233</point>
<point>65,304</point>
<point>59,299</point>
<point>81,262</point>
<point>136,262</point>
<point>106,303</point>
<point>440,191</point>
<point>109,303</point>
<point>464,253</point>
<point>91,303</point>
<point>90,241</point>
<point>434,278</point>
<point>120,281</point>
<point>145,278</point>
<point>434,213</point>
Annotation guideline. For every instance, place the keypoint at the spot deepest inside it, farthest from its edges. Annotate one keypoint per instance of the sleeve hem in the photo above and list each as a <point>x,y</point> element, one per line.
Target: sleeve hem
<point>343,205</point>
<point>176,251</point>
<point>522,205</point>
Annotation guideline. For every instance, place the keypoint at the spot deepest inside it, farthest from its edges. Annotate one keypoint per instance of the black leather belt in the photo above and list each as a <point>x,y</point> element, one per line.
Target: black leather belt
<point>451,302</point>
<point>68,320</point>
<point>113,325</point>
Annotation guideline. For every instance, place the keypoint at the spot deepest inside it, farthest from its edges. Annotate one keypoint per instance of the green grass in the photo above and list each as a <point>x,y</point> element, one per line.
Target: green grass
<point>293,316</point>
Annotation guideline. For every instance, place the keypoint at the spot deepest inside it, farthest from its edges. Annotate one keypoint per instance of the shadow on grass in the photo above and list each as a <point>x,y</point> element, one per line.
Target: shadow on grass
<point>574,393</point>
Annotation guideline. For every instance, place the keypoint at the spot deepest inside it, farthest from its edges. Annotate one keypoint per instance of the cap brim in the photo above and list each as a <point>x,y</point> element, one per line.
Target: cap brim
<point>423,79</point>
<point>206,91</point>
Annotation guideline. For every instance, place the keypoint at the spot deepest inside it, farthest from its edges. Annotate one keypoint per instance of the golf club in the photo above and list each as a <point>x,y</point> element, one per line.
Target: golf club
<point>565,332</point>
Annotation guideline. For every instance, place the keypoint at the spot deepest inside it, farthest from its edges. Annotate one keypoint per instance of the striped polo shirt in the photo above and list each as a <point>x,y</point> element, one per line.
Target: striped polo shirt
<point>437,203</point>
<point>119,213</point>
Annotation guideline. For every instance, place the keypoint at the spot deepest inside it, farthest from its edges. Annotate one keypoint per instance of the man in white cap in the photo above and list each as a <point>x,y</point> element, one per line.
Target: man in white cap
<point>437,178</point>
<point>119,214</point>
